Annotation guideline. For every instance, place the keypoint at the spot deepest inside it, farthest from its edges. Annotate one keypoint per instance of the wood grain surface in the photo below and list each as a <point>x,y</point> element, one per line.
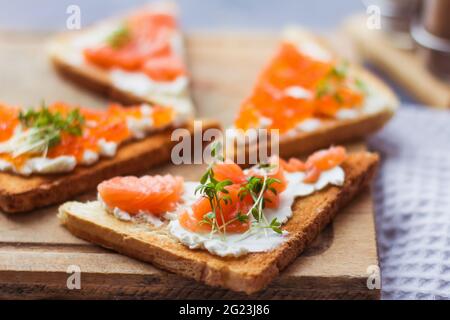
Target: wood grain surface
<point>35,252</point>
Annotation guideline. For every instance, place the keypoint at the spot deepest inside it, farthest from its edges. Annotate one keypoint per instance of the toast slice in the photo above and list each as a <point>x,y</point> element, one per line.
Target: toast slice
<point>66,53</point>
<point>333,131</point>
<point>249,273</point>
<point>20,194</point>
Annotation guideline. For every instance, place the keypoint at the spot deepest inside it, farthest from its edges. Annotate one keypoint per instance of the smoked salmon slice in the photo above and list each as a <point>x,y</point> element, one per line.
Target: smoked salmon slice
<point>151,194</point>
<point>318,162</point>
<point>198,221</point>
<point>142,43</point>
<point>229,170</point>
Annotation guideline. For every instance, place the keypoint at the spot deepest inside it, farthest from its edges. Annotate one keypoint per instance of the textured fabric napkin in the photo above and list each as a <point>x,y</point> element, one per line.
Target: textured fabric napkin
<point>412,200</point>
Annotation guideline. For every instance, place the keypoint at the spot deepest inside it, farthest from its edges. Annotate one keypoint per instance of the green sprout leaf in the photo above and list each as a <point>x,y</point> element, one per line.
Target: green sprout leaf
<point>119,37</point>
<point>45,128</point>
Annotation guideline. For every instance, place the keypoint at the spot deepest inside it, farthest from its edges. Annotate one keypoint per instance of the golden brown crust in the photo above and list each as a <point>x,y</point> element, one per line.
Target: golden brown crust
<point>333,133</point>
<point>95,82</point>
<point>19,194</point>
<point>249,273</point>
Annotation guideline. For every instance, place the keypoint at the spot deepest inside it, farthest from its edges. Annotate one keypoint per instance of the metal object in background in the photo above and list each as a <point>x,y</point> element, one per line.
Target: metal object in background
<point>432,34</point>
<point>396,19</point>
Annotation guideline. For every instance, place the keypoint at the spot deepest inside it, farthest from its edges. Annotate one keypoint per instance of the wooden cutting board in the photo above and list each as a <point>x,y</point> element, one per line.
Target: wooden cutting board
<point>35,252</point>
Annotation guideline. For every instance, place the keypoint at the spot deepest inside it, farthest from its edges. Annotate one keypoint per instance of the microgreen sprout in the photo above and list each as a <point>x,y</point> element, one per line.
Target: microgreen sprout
<point>41,130</point>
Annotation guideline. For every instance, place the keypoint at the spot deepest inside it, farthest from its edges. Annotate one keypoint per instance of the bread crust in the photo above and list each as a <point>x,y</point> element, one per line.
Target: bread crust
<point>332,133</point>
<point>336,132</point>
<point>21,194</point>
<point>95,82</point>
<point>249,273</point>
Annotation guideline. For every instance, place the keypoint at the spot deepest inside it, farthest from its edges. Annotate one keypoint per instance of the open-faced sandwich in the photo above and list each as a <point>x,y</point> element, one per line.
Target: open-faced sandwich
<point>52,153</point>
<point>314,98</point>
<point>234,228</point>
<point>138,58</point>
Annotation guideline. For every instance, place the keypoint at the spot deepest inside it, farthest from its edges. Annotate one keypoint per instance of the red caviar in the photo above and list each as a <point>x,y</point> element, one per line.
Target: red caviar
<point>110,125</point>
<point>290,68</point>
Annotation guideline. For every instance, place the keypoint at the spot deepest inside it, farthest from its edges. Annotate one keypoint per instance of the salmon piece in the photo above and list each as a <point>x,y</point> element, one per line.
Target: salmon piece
<point>271,200</point>
<point>147,23</point>
<point>312,175</point>
<point>327,159</point>
<point>146,47</point>
<point>276,172</point>
<point>230,211</point>
<point>107,57</point>
<point>153,194</point>
<point>293,165</point>
<point>164,68</point>
<point>229,170</point>
<point>319,161</point>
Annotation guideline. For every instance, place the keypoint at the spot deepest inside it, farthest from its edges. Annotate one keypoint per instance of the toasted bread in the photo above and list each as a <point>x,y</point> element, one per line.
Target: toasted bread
<point>20,194</point>
<point>334,131</point>
<point>68,60</point>
<point>249,273</point>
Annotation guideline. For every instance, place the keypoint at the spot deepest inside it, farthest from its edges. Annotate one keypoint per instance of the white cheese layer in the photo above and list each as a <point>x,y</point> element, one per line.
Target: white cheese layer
<point>258,240</point>
<point>46,165</point>
<point>309,125</point>
<point>233,245</point>
<point>89,157</point>
<point>298,92</point>
<point>141,85</point>
<point>107,148</point>
<point>173,93</point>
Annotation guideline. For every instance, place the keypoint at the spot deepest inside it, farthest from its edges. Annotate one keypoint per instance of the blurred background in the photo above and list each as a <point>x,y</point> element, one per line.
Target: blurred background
<point>196,14</point>
<point>421,75</point>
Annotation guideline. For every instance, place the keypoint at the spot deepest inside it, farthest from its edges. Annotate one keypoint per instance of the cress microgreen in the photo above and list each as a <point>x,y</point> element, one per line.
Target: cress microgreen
<point>215,191</point>
<point>256,187</point>
<point>217,194</point>
<point>361,85</point>
<point>328,85</point>
<point>43,130</point>
<point>119,37</point>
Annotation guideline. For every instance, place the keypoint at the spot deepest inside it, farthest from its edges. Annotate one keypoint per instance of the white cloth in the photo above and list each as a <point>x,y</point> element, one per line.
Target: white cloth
<point>412,200</point>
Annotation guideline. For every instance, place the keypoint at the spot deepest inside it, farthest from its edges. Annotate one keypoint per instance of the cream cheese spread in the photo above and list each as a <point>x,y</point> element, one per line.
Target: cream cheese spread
<point>258,240</point>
